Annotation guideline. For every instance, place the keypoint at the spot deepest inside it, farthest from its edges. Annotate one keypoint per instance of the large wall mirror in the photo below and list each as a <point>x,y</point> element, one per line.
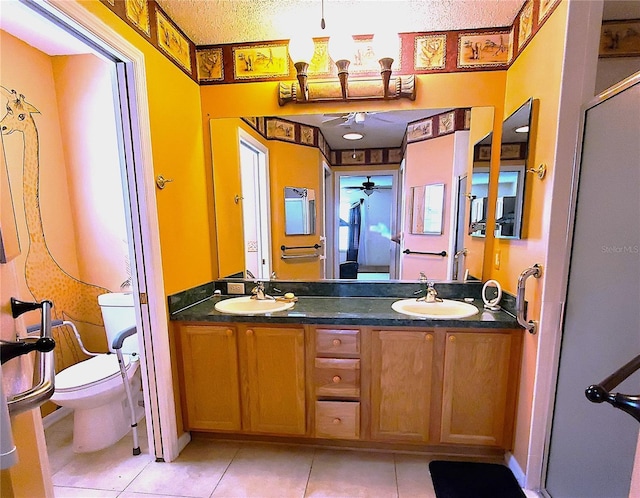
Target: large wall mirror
<point>305,192</point>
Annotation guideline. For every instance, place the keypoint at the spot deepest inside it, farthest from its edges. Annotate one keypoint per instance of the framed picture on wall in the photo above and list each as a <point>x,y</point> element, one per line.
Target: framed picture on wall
<point>620,38</point>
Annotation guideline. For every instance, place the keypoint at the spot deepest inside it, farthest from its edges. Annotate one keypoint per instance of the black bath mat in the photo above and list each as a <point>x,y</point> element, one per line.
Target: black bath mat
<point>473,480</point>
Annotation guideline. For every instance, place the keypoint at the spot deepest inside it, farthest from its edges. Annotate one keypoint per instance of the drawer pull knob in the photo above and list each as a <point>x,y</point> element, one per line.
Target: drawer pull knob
<point>452,338</point>
<point>336,379</point>
<point>429,337</point>
<point>229,332</point>
<point>337,342</point>
<point>336,421</point>
<point>249,332</point>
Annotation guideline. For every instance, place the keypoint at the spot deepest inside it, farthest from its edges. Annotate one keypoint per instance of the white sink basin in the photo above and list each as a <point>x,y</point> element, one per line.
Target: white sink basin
<point>447,309</point>
<point>244,305</point>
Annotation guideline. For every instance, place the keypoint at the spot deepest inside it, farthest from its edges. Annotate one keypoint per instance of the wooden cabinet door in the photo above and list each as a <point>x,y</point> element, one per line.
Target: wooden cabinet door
<point>274,380</point>
<point>401,379</point>
<point>476,388</point>
<point>210,369</point>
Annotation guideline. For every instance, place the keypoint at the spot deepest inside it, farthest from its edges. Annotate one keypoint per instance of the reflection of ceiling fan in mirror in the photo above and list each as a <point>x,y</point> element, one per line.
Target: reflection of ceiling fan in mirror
<point>368,186</point>
<point>351,119</point>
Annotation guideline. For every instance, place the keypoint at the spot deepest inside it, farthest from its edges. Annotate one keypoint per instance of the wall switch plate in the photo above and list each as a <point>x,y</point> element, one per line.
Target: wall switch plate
<point>235,288</point>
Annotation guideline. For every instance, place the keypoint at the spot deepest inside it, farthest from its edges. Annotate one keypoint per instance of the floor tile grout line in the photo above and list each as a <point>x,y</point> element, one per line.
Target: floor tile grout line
<point>235,454</point>
<point>306,486</point>
<point>395,473</point>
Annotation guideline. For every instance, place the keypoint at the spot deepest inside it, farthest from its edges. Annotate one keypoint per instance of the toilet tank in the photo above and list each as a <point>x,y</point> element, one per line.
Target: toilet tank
<point>118,313</point>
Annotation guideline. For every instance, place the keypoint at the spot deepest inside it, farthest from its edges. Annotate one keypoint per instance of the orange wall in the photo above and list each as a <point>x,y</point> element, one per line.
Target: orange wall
<point>225,167</point>
<point>185,206</point>
<point>482,119</point>
<point>536,73</point>
<point>428,162</point>
<point>293,165</point>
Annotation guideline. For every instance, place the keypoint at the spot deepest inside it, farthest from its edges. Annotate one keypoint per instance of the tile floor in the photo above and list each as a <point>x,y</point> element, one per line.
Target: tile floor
<point>215,469</point>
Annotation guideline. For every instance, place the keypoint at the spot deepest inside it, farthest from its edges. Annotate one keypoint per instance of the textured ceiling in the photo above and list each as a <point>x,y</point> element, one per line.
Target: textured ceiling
<point>209,22</point>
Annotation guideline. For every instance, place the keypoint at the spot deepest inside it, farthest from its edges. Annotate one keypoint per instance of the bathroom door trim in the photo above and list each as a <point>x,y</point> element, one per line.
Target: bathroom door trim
<point>160,406</point>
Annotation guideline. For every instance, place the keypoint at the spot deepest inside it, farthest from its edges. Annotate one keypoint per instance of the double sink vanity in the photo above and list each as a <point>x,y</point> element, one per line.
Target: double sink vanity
<point>357,364</point>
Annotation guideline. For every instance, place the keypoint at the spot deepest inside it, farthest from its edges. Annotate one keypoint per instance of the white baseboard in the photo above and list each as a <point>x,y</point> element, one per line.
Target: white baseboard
<point>183,441</point>
<point>514,466</point>
<point>56,416</point>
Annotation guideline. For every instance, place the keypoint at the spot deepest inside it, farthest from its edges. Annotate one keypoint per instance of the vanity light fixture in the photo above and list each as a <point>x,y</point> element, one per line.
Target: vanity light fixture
<point>342,51</point>
<point>352,135</point>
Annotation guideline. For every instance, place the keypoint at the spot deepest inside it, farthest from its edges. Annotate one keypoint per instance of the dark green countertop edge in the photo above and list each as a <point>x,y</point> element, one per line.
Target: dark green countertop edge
<point>367,304</point>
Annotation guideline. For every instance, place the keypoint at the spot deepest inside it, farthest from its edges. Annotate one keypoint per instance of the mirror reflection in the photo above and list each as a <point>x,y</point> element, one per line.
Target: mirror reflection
<point>299,211</point>
<point>427,209</point>
<point>514,151</point>
<point>359,197</point>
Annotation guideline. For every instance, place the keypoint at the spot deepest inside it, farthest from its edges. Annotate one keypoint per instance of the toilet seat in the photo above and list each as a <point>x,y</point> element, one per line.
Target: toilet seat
<point>97,370</point>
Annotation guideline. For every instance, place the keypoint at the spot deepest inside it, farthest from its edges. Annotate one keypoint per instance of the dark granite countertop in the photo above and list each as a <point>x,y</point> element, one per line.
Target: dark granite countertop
<point>358,310</point>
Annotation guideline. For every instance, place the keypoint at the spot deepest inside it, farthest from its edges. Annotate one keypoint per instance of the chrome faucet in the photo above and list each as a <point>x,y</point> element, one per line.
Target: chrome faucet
<point>431,295</point>
<point>259,294</point>
<point>430,292</point>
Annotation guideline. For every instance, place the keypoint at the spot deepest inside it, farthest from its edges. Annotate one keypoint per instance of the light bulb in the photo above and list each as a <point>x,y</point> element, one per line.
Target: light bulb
<point>301,49</point>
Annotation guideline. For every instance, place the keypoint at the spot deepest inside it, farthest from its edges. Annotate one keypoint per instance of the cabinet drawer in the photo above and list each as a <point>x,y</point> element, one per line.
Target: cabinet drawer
<point>337,377</point>
<point>338,341</point>
<point>338,419</point>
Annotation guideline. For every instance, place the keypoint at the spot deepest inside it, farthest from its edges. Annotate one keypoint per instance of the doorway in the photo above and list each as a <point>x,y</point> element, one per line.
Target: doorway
<point>133,145</point>
<point>254,177</point>
<point>365,218</point>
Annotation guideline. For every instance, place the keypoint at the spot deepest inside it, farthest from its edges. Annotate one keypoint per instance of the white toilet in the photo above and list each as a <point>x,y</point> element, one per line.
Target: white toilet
<point>94,389</point>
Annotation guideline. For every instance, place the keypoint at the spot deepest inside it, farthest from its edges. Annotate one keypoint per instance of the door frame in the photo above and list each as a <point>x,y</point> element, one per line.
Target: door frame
<point>261,187</point>
<point>151,308</point>
<point>335,215</point>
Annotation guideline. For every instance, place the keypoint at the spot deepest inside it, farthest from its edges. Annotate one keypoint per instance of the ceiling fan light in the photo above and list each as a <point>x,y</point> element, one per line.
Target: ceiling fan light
<point>353,136</point>
<point>522,129</point>
<point>368,191</point>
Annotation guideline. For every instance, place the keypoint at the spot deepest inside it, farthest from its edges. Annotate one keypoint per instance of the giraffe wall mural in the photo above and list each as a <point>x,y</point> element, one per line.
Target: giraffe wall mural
<point>46,270</point>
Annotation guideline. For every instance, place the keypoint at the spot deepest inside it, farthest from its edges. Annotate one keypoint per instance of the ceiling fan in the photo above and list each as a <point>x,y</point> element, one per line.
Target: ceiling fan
<point>351,119</point>
<point>368,186</point>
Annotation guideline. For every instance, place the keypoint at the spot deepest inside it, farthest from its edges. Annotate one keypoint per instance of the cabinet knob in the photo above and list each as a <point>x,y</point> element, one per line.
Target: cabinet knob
<point>452,338</point>
<point>337,342</point>
<point>336,421</point>
<point>249,332</point>
<point>229,332</point>
<point>429,337</point>
<point>336,379</point>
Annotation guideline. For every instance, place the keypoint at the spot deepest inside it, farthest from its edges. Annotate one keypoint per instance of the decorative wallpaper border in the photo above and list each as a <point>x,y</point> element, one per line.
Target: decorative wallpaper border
<point>489,49</point>
<point>276,128</point>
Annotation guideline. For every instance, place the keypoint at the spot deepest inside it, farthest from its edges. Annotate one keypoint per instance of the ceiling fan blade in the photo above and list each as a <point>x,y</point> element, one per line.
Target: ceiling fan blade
<point>335,121</point>
<point>378,118</point>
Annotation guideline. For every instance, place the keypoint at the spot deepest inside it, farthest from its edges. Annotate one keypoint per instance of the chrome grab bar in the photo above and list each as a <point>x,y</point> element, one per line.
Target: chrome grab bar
<point>43,390</point>
<point>300,256</point>
<point>599,393</point>
<point>534,271</point>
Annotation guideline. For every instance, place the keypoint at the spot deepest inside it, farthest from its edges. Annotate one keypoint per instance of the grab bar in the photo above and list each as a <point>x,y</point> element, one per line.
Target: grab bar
<point>599,393</point>
<point>534,271</point>
<point>285,248</point>
<point>43,390</point>
<point>299,256</point>
<point>441,253</point>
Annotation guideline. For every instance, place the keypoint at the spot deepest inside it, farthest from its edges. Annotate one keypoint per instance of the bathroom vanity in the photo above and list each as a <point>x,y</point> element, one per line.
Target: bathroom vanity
<point>350,371</point>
